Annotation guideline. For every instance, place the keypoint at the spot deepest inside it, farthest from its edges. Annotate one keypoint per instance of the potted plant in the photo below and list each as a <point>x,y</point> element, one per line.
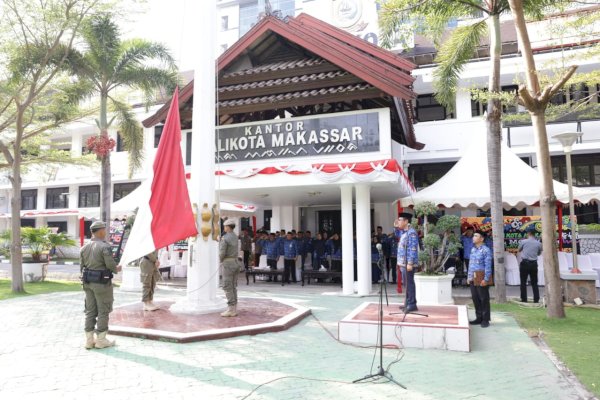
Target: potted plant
<point>433,285</point>
<point>37,241</point>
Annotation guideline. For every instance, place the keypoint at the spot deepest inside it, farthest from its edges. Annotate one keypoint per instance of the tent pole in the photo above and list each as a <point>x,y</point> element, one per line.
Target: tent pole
<point>560,226</point>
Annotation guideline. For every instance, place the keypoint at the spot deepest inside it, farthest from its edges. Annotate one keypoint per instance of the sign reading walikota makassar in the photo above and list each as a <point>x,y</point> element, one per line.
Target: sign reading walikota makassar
<point>306,137</point>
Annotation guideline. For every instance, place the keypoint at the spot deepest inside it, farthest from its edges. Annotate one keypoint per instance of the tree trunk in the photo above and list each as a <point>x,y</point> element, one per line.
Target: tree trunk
<point>105,175</point>
<point>548,211</point>
<point>16,251</point>
<point>537,110</point>
<point>494,140</point>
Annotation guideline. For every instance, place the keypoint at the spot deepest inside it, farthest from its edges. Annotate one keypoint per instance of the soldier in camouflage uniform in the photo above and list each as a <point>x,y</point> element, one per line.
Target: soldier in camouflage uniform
<point>96,256</point>
<point>149,275</point>
<point>228,254</point>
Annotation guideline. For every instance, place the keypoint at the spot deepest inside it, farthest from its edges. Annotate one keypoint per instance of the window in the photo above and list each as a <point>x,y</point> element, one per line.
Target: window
<point>157,134</point>
<point>123,189</point>
<point>513,212</point>
<point>87,231</point>
<point>89,196</point>
<point>586,169</point>
<point>267,215</point>
<point>120,144</point>
<point>248,16</point>
<point>512,108</point>
<point>188,148</point>
<point>61,226</point>
<point>57,197</point>
<point>428,109</point>
<point>586,213</point>
<point>224,22</point>
<point>30,222</point>
<point>580,92</point>
<point>29,199</point>
<point>477,108</point>
<point>423,175</point>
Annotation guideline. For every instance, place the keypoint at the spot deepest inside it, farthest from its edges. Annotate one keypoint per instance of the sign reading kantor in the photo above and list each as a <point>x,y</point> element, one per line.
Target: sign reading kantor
<point>305,137</point>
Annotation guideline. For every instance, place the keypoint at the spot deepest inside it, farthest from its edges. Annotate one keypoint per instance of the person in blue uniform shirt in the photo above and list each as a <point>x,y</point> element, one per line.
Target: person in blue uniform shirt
<point>290,254</point>
<point>466,240</point>
<point>393,245</point>
<point>479,277</point>
<point>375,271</point>
<point>408,257</point>
<point>271,249</point>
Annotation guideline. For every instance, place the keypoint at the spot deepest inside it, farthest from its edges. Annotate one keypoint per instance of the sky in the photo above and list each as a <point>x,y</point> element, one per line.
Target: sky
<point>171,22</point>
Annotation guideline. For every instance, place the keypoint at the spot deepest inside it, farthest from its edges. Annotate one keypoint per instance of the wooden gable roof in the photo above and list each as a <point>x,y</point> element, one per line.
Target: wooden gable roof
<point>304,66</point>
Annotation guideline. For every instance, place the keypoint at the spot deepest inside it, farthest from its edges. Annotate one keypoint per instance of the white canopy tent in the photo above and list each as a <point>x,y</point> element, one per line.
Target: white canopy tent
<point>466,185</point>
<point>129,203</point>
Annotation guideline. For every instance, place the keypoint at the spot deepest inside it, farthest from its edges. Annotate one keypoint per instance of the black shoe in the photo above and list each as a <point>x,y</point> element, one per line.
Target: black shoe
<point>475,322</point>
<point>536,301</point>
<point>523,301</point>
<point>411,308</point>
<point>485,324</point>
<point>270,280</point>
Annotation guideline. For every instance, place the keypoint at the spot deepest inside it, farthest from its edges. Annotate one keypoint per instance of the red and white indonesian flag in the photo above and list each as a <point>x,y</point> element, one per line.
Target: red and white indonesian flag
<point>165,214</point>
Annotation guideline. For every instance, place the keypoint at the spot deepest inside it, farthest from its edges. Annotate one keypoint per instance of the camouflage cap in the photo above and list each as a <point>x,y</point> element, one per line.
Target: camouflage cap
<point>229,222</point>
<point>97,225</point>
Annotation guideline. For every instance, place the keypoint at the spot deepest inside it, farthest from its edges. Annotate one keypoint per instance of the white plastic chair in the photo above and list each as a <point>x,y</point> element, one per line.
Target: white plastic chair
<point>541,280</point>
<point>563,264</point>
<point>512,269</point>
<point>584,262</point>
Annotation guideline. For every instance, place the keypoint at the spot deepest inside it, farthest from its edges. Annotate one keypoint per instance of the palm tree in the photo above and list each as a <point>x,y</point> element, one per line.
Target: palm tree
<point>431,18</point>
<point>110,63</point>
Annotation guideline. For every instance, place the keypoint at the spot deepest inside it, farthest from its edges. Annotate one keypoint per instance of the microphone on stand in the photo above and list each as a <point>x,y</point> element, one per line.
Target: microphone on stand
<point>378,246</point>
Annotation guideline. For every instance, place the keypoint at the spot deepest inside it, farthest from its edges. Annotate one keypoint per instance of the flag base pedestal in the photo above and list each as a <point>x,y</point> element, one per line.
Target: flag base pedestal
<point>185,306</point>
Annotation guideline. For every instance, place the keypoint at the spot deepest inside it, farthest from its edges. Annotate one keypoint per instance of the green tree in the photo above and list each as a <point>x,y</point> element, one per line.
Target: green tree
<point>431,18</point>
<point>36,42</point>
<point>535,98</point>
<point>108,64</point>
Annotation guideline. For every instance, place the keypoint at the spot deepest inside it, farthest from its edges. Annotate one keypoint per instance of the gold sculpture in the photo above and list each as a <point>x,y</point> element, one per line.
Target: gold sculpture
<point>216,232</point>
<point>206,215</point>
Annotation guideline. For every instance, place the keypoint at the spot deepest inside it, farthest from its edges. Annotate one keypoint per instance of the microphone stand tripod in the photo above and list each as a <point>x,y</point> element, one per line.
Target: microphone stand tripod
<point>381,372</point>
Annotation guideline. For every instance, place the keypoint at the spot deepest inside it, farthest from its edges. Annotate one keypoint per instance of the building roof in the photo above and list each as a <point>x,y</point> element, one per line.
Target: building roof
<point>304,66</point>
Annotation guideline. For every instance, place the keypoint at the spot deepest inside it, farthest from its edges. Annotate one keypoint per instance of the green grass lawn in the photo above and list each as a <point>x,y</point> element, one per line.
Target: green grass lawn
<point>38,288</point>
<point>575,339</point>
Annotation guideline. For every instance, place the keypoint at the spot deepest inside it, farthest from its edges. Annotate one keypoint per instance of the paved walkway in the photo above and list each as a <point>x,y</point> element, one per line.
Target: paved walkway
<point>41,353</point>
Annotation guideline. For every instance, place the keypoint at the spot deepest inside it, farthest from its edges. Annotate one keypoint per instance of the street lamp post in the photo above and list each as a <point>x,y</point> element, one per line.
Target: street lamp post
<point>567,139</point>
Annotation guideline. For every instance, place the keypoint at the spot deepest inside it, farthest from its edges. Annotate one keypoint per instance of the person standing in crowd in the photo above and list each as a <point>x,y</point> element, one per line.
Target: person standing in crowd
<point>246,245</point>
<point>393,246</point>
<point>530,249</point>
<point>290,255</point>
<point>318,246</point>
<point>228,255</point>
<point>375,271</point>
<point>466,240</point>
<point>479,279</point>
<point>336,253</point>
<point>299,238</point>
<point>97,266</point>
<point>258,247</point>
<point>271,249</point>
<point>408,257</point>
<point>307,247</point>
<point>149,274</point>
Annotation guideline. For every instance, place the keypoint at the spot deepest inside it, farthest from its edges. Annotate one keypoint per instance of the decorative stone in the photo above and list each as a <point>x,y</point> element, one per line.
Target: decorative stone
<point>579,285</point>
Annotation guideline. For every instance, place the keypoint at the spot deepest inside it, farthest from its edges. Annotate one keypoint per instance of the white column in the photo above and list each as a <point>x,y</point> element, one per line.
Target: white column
<point>347,242</point>
<point>76,144</point>
<point>363,238</point>
<point>275,218</point>
<point>203,275</point>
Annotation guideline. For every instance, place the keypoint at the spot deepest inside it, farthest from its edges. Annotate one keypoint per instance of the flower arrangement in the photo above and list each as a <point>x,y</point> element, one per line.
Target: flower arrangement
<point>101,145</point>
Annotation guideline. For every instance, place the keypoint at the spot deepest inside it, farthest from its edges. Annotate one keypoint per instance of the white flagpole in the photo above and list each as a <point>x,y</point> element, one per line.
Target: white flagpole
<point>203,269</point>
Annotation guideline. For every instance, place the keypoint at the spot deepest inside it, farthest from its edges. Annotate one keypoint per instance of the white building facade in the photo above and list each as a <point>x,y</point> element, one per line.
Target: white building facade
<point>61,196</point>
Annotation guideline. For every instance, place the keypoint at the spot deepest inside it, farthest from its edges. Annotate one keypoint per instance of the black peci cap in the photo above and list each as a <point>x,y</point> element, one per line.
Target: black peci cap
<point>405,216</point>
